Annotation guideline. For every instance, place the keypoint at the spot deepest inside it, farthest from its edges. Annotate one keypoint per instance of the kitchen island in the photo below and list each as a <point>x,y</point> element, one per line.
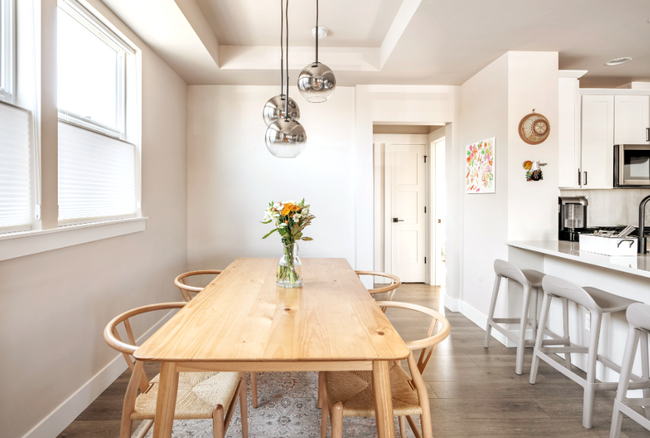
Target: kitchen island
<point>627,276</point>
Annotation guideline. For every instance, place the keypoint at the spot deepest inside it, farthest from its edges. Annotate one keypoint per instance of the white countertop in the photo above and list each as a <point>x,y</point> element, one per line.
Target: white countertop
<point>635,265</point>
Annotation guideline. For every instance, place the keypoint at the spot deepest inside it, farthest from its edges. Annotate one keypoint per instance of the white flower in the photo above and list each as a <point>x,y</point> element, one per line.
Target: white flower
<point>283,225</point>
<point>291,201</point>
<point>277,205</point>
<point>296,217</point>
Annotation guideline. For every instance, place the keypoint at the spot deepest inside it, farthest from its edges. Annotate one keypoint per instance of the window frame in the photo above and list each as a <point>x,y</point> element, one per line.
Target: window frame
<point>84,17</point>
<point>7,51</point>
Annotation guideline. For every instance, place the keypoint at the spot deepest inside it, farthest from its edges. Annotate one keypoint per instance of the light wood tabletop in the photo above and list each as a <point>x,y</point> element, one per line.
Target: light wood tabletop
<point>243,322</point>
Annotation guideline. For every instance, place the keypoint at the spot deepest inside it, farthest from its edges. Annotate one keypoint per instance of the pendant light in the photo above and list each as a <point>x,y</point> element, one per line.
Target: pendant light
<point>275,107</point>
<point>286,137</point>
<point>316,82</point>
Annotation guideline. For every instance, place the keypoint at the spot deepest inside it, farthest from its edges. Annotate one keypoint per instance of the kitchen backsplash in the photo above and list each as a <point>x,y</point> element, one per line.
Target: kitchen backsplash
<point>612,207</point>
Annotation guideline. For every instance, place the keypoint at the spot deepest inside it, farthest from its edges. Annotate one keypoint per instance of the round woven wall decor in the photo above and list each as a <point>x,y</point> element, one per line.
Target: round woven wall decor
<point>534,128</point>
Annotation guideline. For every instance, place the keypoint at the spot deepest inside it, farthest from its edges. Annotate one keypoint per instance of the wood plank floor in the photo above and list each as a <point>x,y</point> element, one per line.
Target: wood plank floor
<point>474,392</point>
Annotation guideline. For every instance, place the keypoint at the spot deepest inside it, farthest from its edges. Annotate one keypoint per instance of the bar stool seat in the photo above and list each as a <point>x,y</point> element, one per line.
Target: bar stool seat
<point>531,281</point>
<point>535,277</point>
<point>638,319</point>
<point>609,303</point>
<point>597,302</point>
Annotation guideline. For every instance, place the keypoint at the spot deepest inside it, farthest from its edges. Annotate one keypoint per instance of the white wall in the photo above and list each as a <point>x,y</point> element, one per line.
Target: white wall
<point>54,305</point>
<point>232,177</point>
<point>492,104</point>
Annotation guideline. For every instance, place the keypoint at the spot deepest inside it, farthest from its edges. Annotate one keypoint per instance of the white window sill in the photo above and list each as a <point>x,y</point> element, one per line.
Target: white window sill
<point>33,242</point>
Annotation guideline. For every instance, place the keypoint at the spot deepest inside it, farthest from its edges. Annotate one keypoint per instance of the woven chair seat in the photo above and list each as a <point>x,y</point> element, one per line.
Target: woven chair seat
<point>354,390</point>
<point>198,395</point>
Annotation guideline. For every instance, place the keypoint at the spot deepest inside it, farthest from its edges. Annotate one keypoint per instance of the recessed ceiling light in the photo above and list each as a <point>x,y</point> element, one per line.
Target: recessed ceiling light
<point>322,32</point>
<point>619,61</point>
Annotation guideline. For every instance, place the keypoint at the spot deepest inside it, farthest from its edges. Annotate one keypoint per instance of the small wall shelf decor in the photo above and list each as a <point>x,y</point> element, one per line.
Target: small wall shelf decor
<point>534,128</point>
<point>534,170</point>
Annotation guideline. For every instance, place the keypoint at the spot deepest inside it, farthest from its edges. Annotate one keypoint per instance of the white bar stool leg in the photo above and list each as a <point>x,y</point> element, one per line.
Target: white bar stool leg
<point>624,382</point>
<point>565,332</point>
<point>590,388</point>
<point>493,303</point>
<point>645,367</point>
<point>546,305</point>
<point>521,343</point>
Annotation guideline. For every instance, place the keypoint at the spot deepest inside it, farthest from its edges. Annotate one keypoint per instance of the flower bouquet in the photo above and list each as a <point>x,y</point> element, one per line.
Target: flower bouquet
<point>290,219</point>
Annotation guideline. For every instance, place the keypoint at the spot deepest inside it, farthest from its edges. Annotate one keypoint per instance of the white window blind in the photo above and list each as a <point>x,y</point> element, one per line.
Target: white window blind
<point>15,174</point>
<point>96,175</point>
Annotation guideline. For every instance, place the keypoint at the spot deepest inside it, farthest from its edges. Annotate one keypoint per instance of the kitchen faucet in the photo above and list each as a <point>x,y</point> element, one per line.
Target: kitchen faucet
<point>641,247</point>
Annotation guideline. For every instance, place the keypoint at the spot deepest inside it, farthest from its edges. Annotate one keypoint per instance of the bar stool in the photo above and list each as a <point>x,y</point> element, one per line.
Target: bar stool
<point>597,302</point>
<point>531,281</point>
<point>638,319</point>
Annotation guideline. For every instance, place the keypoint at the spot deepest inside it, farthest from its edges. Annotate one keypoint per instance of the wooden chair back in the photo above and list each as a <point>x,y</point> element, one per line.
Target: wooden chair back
<point>187,290</point>
<point>428,344</point>
<point>127,348</point>
<point>391,288</point>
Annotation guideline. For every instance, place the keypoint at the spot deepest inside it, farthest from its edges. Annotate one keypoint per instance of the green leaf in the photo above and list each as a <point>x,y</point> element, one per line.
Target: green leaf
<point>307,239</point>
<point>273,231</point>
<point>267,222</point>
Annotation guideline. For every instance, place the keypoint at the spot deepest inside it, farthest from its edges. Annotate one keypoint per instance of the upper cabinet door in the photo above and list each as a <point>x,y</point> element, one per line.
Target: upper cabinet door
<point>631,119</point>
<point>568,133</point>
<point>597,141</point>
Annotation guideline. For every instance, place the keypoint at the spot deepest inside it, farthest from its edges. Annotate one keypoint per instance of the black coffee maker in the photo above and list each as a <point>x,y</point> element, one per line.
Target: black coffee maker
<point>572,212</point>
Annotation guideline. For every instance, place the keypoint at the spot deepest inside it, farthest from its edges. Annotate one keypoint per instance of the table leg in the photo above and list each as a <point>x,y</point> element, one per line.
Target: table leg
<point>167,390</point>
<point>383,399</point>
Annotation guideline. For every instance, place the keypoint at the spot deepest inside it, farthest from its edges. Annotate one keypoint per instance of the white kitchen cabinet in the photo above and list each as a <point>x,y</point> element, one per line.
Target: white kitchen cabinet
<point>597,142</point>
<point>569,132</point>
<point>631,119</point>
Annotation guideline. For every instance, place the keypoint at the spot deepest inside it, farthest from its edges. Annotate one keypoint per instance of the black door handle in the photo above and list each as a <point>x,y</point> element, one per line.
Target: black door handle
<point>397,220</point>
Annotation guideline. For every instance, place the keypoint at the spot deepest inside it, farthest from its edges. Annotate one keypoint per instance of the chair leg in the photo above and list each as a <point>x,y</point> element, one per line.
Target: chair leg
<point>402,427</point>
<point>126,426</point>
<point>624,380</point>
<point>218,425</point>
<point>590,389</point>
<point>414,427</point>
<point>321,385</point>
<point>254,388</point>
<point>521,343</point>
<point>337,420</point>
<point>243,405</point>
<point>493,303</point>
<point>546,305</point>
<point>533,310</point>
<point>323,421</point>
<point>565,328</point>
<point>645,367</point>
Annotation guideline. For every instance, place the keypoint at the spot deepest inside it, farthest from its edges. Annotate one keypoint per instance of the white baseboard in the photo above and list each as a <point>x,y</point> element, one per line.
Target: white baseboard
<point>66,412</point>
<point>480,320</point>
<point>450,303</point>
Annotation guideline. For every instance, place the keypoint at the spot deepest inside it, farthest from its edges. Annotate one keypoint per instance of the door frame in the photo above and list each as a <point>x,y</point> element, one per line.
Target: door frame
<point>382,181</point>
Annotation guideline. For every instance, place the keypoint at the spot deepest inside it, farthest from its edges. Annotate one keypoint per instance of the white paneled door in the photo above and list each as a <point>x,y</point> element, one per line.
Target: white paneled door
<point>406,199</point>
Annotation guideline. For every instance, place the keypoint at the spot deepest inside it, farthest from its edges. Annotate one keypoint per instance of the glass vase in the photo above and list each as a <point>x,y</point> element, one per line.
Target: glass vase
<point>289,267</point>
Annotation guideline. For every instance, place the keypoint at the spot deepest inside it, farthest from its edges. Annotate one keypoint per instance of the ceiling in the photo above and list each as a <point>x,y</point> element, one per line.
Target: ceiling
<point>439,42</point>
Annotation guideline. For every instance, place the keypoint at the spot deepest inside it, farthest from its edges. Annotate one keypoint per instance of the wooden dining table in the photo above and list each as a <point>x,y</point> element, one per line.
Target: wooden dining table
<point>242,321</point>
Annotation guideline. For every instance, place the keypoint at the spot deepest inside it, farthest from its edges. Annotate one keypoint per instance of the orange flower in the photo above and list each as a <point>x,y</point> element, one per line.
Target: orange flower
<point>286,209</point>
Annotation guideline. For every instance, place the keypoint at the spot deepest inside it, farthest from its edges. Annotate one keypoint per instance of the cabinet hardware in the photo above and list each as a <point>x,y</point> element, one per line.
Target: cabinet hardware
<point>425,158</point>
<point>425,209</point>
<point>579,180</point>
<point>397,220</point>
<point>585,178</point>
<point>425,260</point>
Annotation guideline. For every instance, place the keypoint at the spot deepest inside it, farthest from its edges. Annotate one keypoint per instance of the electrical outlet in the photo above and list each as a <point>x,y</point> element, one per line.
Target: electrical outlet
<point>588,320</point>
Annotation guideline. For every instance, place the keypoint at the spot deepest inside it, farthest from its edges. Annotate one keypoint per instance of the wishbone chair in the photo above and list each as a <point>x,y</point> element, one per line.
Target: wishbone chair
<point>350,394</point>
<point>215,398</point>
<point>187,290</point>
<point>391,288</point>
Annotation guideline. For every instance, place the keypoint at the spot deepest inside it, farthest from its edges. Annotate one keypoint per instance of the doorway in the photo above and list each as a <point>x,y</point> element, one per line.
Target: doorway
<point>408,203</point>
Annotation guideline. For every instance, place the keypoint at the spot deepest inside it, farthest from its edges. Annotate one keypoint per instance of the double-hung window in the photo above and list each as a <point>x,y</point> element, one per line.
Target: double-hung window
<point>98,156</point>
<point>16,210</point>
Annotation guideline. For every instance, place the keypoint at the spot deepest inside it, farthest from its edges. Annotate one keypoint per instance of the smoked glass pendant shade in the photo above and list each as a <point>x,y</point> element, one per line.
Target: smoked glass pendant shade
<point>316,82</point>
<point>274,109</point>
<point>285,138</point>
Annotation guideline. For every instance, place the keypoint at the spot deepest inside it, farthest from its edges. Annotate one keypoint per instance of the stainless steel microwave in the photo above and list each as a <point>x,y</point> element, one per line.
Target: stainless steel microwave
<point>632,165</point>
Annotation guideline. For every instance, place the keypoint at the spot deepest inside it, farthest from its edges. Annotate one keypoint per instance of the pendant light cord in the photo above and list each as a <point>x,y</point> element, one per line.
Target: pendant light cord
<point>281,47</point>
<point>286,103</point>
<point>317,31</point>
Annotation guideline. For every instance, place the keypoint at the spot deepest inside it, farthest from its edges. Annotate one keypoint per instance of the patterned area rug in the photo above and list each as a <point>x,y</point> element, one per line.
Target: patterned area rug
<point>287,408</point>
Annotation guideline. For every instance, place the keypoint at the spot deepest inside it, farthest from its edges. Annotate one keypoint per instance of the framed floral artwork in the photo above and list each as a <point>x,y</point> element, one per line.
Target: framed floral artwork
<point>480,176</point>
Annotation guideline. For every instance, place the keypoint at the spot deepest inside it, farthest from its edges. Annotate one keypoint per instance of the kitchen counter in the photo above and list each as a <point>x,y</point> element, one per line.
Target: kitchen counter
<point>635,265</point>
